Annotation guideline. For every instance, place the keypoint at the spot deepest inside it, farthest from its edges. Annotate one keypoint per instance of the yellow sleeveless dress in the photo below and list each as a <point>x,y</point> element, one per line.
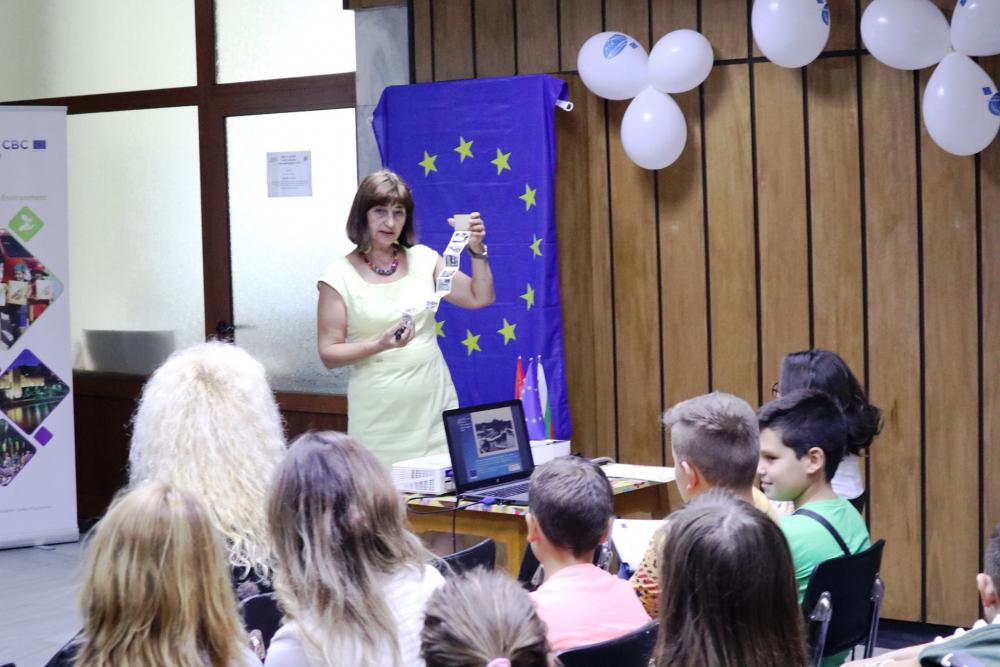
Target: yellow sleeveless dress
<point>395,398</point>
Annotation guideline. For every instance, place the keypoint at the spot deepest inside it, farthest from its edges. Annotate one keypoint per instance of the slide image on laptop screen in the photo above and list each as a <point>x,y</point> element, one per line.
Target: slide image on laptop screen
<point>494,432</point>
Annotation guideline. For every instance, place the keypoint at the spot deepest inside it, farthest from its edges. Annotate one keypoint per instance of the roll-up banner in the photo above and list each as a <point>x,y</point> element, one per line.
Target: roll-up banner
<point>37,462</point>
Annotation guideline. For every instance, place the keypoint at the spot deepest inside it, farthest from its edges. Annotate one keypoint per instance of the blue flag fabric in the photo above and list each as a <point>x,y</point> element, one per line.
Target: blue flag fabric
<point>532,403</point>
<point>488,145</point>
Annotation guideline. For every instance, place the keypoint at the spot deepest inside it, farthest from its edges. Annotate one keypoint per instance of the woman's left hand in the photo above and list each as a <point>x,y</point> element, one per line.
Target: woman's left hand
<point>477,229</point>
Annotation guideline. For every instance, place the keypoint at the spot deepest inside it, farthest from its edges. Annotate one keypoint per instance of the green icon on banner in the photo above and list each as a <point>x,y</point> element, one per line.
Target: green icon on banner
<point>26,224</point>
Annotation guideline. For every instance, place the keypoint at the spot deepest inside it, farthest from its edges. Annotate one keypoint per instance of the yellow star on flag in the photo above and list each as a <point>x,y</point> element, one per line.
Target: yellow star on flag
<point>529,296</point>
<point>439,326</point>
<point>464,149</point>
<point>501,161</point>
<point>535,246</point>
<point>507,331</point>
<point>471,342</point>
<point>428,163</point>
<point>528,197</point>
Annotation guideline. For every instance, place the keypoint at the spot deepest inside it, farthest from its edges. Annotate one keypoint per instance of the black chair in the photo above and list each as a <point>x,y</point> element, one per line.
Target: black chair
<point>632,650</point>
<point>531,575</point>
<point>261,613</point>
<point>843,601</point>
<point>482,555</point>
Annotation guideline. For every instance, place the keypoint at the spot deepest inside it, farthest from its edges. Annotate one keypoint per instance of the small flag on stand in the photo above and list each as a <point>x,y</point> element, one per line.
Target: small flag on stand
<point>532,406</point>
<point>543,399</point>
<point>518,378</point>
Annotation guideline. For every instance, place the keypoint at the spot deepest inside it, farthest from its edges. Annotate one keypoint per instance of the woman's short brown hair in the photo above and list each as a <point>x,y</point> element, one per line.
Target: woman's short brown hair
<point>380,188</point>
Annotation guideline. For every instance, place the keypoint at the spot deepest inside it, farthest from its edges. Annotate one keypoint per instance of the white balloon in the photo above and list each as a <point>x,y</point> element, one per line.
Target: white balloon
<point>612,65</point>
<point>653,130</point>
<point>975,27</point>
<point>680,61</point>
<point>905,34</point>
<point>961,106</point>
<point>791,33</point>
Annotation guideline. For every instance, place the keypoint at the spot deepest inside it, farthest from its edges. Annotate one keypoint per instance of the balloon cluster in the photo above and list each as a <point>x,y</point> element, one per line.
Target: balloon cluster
<point>961,104</point>
<point>615,66</point>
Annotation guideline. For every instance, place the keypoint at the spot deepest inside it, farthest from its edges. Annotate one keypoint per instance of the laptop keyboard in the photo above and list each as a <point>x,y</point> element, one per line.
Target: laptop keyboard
<point>513,490</point>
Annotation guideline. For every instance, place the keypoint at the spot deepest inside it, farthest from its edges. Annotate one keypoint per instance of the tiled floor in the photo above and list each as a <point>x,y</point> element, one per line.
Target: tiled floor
<point>40,602</point>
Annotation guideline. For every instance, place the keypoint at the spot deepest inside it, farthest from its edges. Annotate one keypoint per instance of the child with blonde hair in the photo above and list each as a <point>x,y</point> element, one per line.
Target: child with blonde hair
<point>352,579</point>
<point>155,589</point>
<point>483,619</point>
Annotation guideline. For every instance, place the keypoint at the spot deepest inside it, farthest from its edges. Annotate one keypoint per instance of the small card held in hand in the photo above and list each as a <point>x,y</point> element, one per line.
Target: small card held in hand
<point>461,221</point>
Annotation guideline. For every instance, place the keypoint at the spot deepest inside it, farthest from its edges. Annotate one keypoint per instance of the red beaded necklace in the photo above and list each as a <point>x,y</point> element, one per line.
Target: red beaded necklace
<point>380,271</point>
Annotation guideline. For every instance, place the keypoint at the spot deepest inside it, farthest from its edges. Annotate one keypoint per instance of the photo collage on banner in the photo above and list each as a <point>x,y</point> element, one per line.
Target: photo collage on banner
<point>37,461</point>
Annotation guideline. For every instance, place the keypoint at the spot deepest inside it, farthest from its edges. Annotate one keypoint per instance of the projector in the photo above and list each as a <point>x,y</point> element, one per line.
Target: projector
<point>427,474</point>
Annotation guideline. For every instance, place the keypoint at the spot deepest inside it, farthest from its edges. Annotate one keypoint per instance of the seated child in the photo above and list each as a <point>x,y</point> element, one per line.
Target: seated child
<point>483,619</point>
<point>982,642</point>
<point>803,436</point>
<point>715,444</point>
<point>570,510</point>
<point>728,590</point>
<point>352,579</point>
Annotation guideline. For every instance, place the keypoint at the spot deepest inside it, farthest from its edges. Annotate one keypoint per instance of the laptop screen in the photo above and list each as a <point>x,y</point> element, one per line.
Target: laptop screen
<point>488,444</point>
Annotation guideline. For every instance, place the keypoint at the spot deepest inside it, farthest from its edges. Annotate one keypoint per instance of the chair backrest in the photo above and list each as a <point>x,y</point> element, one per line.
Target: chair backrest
<point>482,555</point>
<point>261,612</point>
<point>855,595</point>
<point>632,650</point>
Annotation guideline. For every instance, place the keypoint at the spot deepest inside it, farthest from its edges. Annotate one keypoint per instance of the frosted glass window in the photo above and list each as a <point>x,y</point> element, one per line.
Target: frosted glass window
<point>135,237</point>
<point>273,39</point>
<point>58,48</point>
<point>280,245</point>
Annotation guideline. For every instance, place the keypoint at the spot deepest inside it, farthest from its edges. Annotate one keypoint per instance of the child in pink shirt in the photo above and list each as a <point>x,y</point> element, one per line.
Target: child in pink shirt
<point>571,506</point>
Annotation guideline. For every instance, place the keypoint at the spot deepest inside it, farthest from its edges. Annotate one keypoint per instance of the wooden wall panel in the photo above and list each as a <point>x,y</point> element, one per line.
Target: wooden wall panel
<point>578,20</point>
<point>843,25</point>
<point>989,187</point>
<point>669,15</point>
<point>494,22</point>
<point>682,267</point>
<point>781,189</point>
<point>835,192</point>
<point>537,36</point>
<point>452,30</point>
<point>582,230</point>
<point>725,26</point>
<point>731,232</point>
<point>894,331</point>
<point>951,389</point>
<point>423,55</point>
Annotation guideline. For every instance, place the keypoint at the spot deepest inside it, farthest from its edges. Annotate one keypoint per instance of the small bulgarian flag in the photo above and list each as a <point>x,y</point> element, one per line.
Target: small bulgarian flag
<point>543,398</point>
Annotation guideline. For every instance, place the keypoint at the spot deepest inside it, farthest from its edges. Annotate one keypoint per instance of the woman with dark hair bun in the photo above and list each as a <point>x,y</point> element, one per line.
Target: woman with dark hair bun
<point>824,370</point>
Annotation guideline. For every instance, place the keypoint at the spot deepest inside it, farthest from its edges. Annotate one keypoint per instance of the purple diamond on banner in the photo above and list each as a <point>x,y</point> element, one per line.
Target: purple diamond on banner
<point>29,391</point>
<point>43,436</point>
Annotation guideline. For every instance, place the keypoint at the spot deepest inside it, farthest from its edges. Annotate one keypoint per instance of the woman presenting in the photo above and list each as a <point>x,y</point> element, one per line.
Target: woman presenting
<point>400,383</point>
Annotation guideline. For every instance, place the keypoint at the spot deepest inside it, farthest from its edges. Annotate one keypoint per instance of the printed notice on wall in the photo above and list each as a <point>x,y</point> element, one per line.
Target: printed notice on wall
<point>289,174</point>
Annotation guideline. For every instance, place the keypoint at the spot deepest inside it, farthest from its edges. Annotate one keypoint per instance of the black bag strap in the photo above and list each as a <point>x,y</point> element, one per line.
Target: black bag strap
<point>826,524</point>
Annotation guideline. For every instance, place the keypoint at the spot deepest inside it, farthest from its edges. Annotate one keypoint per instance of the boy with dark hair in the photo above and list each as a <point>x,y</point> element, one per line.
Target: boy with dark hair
<point>803,437</point>
<point>570,509</point>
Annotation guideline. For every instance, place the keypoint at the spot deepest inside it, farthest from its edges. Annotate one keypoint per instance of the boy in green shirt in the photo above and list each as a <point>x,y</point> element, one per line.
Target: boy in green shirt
<point>803,437</point>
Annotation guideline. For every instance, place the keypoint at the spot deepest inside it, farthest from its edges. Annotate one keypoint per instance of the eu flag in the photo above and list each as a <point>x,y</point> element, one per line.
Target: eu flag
<point>488,145</point>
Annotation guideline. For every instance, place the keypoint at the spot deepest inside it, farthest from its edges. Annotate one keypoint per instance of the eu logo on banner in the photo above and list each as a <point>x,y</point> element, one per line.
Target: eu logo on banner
<point>488,145</point>
<point>38,144</point>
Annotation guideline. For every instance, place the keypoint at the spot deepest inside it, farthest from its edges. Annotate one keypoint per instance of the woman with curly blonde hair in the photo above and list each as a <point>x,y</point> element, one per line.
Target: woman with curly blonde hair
<point>155,589</point>
<point>208,424</point>
<point>352,580</point>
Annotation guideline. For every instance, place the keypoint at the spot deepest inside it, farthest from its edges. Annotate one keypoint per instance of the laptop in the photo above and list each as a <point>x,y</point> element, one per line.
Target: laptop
<point>490,451</point>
